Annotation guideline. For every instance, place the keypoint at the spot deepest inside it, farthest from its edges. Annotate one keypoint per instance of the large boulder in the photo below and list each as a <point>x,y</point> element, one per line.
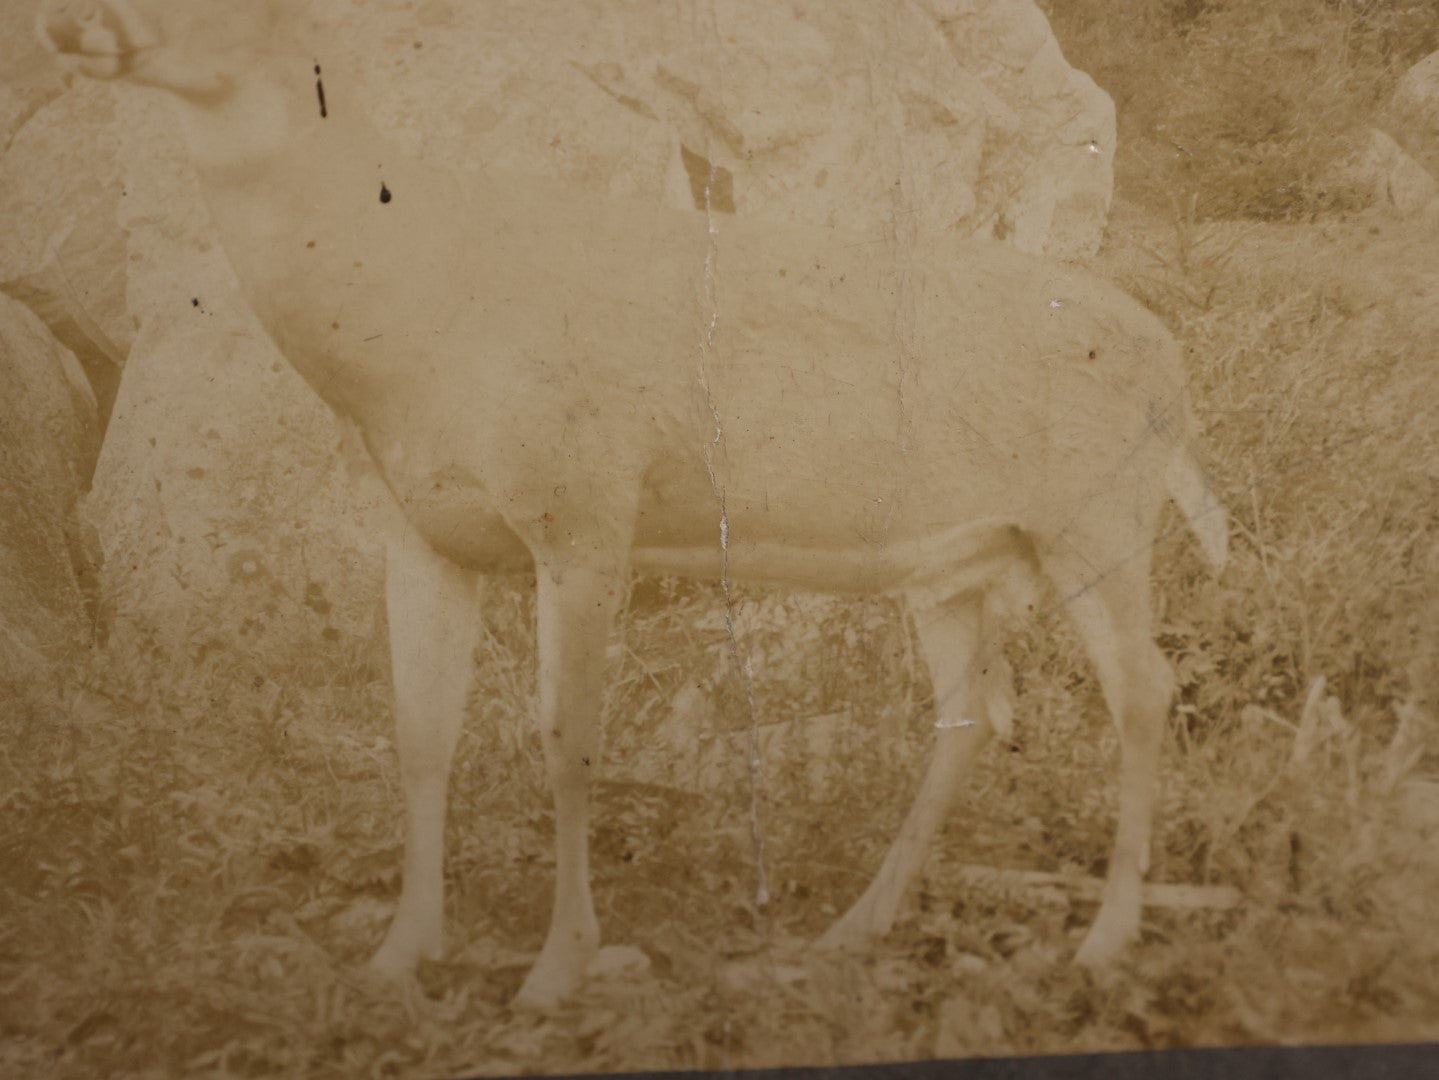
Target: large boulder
<point>29,78</point>
<point>229,523</point>
<point>64,252</point>
<point>1049,156</point>
<point>221,461</point>
<point>48,433</point>
<point>1377,172</point>
<point>1389,176</point>
<point>62,262</point>
<point>1414,112</point>
<point>920,117</point>
<point>77,288</point>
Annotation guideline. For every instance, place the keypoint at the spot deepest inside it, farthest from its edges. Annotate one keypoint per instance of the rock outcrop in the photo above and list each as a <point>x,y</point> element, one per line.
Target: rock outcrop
<point>925,116</point>
<point>48,560</point>
<point>1414,113</point>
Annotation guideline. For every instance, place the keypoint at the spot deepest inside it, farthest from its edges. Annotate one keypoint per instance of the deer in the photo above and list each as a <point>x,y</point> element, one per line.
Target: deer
<point>552,380</point>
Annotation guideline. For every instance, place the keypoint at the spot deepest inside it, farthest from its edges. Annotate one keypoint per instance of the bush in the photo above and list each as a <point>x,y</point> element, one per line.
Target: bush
<point>1248,104</point>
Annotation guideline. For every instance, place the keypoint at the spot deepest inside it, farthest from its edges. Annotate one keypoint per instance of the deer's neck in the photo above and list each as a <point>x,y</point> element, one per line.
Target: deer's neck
<point>238,121</point>
<point>289,189</point>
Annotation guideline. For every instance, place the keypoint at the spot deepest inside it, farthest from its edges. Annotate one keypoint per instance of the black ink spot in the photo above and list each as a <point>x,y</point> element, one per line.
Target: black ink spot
<point>384,192</point>
<point>194,301</point>
<point>1093,355</point>
<point>320,93</point>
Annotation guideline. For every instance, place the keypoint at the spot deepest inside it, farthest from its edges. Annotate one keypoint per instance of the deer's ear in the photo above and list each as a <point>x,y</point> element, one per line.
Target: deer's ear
<point>97,31</point>
<point>61,28</point>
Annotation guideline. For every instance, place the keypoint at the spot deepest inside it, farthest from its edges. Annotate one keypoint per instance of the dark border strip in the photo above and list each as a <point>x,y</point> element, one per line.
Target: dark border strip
<point>1397,1061</point>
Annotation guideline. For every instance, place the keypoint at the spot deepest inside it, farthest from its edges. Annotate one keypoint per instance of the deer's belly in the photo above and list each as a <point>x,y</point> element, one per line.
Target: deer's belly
<point>464,530</point>
<point>456,516</point>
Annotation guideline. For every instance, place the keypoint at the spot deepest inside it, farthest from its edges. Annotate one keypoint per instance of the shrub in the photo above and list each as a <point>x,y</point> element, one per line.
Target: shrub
<point>1248,104</point>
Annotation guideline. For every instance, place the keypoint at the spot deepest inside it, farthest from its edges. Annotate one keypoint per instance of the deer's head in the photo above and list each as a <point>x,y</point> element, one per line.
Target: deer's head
<point>187,46</point>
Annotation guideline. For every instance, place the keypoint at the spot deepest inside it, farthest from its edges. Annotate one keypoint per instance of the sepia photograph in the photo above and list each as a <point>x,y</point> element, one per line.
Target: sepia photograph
<point>617,536</point>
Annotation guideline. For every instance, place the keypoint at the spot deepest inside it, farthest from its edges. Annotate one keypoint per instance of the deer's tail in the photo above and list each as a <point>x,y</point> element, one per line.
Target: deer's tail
<point>1191,491</point>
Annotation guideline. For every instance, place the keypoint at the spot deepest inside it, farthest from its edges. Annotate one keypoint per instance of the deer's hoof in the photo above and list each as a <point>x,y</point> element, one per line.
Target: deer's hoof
<point>850,933</point>
<point>557,974</point>
<point>402,950</point>
<point>1106,940</point>
<point>544,991</point>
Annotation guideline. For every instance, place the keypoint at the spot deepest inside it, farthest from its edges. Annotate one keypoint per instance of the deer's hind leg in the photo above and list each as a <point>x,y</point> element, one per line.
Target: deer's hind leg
<point>1111,610</point>
<point>971,680</point>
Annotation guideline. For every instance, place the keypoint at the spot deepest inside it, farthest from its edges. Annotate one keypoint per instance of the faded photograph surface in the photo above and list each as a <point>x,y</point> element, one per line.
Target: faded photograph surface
<point>617,535</point>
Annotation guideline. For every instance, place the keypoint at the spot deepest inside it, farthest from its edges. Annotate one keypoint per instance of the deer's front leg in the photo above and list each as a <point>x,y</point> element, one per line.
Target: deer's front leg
<point>434,617</point>
<point>576,607</point>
